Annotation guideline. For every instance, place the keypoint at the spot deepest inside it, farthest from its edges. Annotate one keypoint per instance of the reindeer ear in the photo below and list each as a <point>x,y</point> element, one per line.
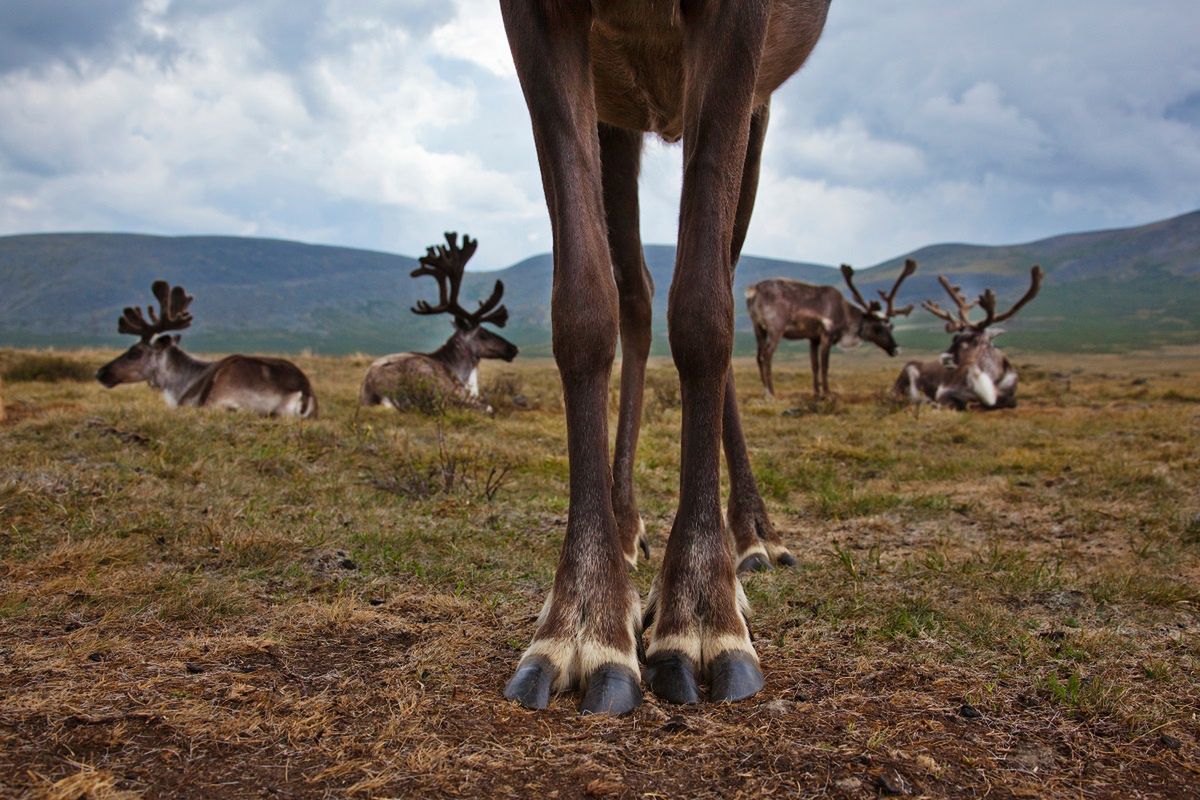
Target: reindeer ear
<point>992,333</point>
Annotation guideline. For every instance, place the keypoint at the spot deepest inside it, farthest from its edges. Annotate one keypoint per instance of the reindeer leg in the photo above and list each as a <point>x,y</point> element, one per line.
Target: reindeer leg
<point>698,627</point>
<point>814,356</point>
<point>620,159</point>
<point>756,544</point>
<point>763,357</point>
<point>826,345</point>
<point>587,633</point>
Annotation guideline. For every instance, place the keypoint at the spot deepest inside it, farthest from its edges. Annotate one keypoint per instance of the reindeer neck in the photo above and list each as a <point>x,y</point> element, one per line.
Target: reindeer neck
<point>457,358</point>
<point>176,373</point>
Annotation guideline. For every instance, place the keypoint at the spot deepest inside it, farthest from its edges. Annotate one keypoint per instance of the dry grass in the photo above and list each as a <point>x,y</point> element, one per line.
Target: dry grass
<point>199,604</point>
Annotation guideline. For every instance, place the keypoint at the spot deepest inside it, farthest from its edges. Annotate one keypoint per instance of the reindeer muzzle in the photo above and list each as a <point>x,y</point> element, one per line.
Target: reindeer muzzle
<point>105,377</point>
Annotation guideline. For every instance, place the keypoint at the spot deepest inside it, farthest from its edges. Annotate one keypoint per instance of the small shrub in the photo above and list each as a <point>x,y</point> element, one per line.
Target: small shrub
<point>420,394</point>
<point>46,368</point>
<point>506,391</point>
<point>418,476</point>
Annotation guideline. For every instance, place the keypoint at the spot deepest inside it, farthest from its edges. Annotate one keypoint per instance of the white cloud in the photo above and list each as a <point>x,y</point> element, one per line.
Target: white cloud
<point>379,127</point>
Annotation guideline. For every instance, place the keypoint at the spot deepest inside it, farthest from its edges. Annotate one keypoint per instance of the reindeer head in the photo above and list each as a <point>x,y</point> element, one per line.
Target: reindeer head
<point>445,263</point>
<point>973,339</point>
<point>142,362</point>
<point>875,324</point>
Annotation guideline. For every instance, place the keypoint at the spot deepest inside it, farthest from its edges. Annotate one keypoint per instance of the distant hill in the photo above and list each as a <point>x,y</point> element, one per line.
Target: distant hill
<point>1105,290</point>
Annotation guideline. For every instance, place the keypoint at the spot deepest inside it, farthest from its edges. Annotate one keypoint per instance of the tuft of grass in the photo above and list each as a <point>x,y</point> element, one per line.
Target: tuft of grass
<point>46,368</point>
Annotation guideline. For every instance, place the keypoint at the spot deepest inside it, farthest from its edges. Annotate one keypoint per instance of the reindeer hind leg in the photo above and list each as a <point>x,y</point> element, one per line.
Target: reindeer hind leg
<point>756,543</point>
<point>620,155</point>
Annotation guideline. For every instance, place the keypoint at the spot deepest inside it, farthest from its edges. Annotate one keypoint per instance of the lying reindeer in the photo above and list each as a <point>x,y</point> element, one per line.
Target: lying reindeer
<point>450,373</point>
<point>972,372</point>
<point>268,386</point>
<point>788,309</point>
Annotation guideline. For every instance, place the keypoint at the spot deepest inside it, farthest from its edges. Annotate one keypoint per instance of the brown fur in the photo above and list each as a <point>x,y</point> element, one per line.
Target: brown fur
<point>596,77</point>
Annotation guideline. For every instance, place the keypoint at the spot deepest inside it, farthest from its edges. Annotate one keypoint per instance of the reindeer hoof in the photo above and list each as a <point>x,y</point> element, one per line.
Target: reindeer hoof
<point>672,678</point>
<point>786,559</point>
<point>734,675</point>
<point>530,684</point>
<point>644,545</point>
<point>612,689</point>
<point>755,562</point>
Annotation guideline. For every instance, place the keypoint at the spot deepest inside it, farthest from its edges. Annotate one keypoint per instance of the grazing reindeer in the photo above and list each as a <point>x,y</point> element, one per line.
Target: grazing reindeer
<point>452,371</point>
<point>268,386</point>
<point>972,372</point>
<point>597,76</point>
<point>785,309</point>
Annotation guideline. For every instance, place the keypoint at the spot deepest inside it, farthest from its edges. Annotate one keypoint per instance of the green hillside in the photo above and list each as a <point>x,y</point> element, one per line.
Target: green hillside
<point>1105,290</point>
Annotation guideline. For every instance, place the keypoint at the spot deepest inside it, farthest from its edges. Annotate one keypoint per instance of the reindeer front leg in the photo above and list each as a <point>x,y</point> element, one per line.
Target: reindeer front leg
<point>698,629</point>
<point>586,635</point>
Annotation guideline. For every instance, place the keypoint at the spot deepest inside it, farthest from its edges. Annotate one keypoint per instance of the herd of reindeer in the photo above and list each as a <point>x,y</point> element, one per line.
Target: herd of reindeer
<point>972,373</point>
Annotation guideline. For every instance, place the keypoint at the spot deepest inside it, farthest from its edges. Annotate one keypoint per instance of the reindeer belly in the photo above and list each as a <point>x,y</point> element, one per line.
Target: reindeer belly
<point>637,59</point>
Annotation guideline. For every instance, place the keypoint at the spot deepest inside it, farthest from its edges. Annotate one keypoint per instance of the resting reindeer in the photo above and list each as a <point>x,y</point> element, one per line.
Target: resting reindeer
<point>452,371</point>
<point>786,309</point>
<point>597,77</point>
<point>972,372</point>
<point>268,386</point>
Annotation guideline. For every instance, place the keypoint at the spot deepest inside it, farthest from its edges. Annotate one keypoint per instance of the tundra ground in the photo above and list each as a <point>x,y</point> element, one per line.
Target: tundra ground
<point>205,604</point>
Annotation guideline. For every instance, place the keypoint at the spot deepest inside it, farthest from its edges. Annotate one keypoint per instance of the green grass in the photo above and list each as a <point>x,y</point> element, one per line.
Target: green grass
<point>1042,563</point>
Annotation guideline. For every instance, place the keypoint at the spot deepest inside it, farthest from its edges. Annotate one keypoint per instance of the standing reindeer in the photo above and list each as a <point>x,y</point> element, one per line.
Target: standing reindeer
<point>597,76</point>
<point>268,386</point>
<point>452,371</point>
<point>786,309</point>
<point>973,372</point>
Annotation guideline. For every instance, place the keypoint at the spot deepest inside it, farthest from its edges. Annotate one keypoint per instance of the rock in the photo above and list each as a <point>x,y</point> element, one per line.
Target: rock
<point>892,782</point>
<point>849,784</point>
<point>777,707</point>
<point>969,711</point>
<point>1031,757</point>
<point>193,668</point>
<point>675,724</point>
<point>1170,742</point>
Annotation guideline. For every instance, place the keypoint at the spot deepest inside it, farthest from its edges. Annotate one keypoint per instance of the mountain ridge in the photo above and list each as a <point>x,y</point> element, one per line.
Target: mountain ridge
<point>1122,288</point>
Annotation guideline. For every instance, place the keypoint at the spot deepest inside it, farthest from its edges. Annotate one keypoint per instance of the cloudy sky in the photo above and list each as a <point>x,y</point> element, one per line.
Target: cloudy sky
<point>379,124</point>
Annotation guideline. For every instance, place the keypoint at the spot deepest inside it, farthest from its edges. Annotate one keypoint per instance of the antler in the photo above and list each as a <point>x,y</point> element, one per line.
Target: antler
<point>848,274</point>
<point>445,263</point>
<point>889,299</point>
<point>953,324</point>
<point>987,300</point>
<point>173,315</point>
